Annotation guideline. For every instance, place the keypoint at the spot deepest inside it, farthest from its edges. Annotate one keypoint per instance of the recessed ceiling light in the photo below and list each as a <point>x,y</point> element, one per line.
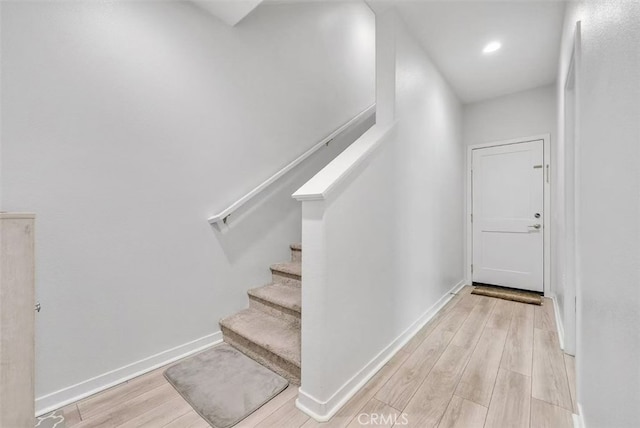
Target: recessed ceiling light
<point>492,47</point>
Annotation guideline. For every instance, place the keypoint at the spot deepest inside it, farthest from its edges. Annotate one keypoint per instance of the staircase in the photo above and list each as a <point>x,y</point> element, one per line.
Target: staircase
<point>269,330</point>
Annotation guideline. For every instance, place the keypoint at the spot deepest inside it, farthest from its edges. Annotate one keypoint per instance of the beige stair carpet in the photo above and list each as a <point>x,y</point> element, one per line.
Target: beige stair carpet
<point>268,331</point>
<point>223,385</point>
<point>508,294</point>
<point>271,341</point>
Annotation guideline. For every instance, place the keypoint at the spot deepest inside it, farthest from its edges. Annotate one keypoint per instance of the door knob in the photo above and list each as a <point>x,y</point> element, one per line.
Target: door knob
<point>536,226</point>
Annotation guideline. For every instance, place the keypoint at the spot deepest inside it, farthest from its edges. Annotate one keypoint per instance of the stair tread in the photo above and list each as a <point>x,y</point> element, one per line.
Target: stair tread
<point>279,294</point>
<point>296,246</point>
<point>291,268</point>
<point>274,334</point>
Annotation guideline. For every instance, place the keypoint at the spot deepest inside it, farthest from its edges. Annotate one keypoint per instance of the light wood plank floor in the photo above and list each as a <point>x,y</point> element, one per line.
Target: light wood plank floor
<point>480,362</point>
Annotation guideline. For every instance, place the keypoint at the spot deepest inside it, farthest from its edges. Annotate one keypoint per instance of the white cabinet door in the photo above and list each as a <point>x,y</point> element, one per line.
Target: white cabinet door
<point>17,320</point>
<point>508,203</point>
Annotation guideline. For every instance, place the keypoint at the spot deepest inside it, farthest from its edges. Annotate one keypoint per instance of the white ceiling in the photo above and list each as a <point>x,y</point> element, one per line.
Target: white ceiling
<point>229,11</point>
<point>453,34</point>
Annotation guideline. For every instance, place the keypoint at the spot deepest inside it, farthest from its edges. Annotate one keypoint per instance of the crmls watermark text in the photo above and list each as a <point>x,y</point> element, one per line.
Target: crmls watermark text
<point>382,419</point>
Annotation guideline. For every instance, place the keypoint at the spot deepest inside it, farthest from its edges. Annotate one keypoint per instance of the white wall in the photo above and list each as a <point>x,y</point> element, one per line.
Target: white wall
<point>382,229</point>
<point>522,114</point>
<point>608,208</point>
<point>127,124</point>
<point>430,182</point>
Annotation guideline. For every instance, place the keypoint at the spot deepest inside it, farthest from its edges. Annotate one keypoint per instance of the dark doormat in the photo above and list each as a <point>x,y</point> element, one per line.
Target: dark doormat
<point>508,294</point>
<point>223,385</point>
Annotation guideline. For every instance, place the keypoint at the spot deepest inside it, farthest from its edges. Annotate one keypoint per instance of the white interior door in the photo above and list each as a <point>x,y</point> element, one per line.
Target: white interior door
<point>508,203</point>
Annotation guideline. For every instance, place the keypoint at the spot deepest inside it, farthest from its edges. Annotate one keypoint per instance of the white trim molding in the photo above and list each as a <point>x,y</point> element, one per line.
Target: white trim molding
<point>559,324</point>
<point>73,393</point>
<point>546,138</point>
<point>322,411</point>
<point>578,419</point>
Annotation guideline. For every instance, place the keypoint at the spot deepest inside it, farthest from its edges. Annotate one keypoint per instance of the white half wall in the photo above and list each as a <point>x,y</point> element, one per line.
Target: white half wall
<point>125,126</point>
<point>607,208</point>
<point>382,228</point>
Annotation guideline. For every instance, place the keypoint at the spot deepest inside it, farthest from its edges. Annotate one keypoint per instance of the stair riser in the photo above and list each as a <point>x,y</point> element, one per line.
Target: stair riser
<point>296,255</point>
<point>263,356</point>
<point>285,278</point>
<point>274,310</point>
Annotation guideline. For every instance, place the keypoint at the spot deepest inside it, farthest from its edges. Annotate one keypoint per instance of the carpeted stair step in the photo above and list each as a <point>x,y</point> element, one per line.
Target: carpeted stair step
<point>279,300</point>
<point>271,341</point>
<point>288,273</point>
<point>296,252</point>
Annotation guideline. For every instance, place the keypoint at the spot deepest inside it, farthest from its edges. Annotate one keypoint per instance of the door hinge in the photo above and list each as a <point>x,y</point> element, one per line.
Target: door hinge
<point>471,217</point>
<point>471,267</point>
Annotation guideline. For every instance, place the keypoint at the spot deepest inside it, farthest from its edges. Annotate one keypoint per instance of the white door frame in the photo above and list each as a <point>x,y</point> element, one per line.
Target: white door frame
<point>570,222</point>
<point>546,138</point>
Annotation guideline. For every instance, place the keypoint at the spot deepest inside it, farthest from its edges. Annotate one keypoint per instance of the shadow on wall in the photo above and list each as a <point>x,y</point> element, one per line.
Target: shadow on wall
<point>274,205</point>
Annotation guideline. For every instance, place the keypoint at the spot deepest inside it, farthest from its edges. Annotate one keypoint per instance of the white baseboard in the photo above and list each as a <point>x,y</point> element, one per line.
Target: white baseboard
<point>559,325</point>
<point>578,420</point>
<point>322,411</point>
<point>73,393</point>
